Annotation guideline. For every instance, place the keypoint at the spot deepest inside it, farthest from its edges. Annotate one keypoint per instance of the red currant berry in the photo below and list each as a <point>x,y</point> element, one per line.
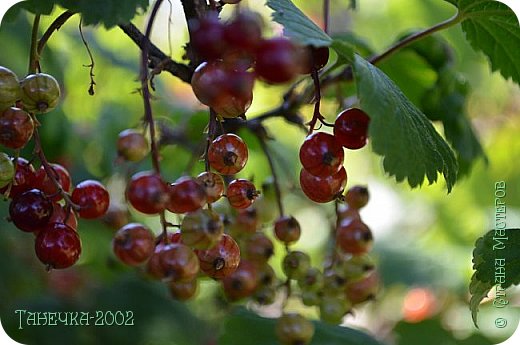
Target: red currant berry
<point>246,222</point>
<point>201,229</point>
<point>132,145</point>
<point>316,59</point>
<point>321,155</point>
<point>30,210</point>
<point>357,197</point>
<point>58,246</point>
<point>259,248</point>
<point>241,283</point>
<point>277,60</point>
<point>345,211</point>
<point>61,175</point>
<point>351,128</point>
<point>228,154</point>
<point>294,329</point>
<point>24,178</point>
<point>40,93</point>
<point>147,193</point>
<point>244,32</point>
<point>354,237</point>
<point>323,189</point>
<point>363,290</point>
<point>221,260</point>
<point>133,244</point>
<point>183,291</point>
<point>241,193</point>
<point>10,90</point>
<point>92,198</point>
<point>186,195</point>
<point>295,264</point>
<point>63,214</point>
<point>16,128</point>
<point>207,36</point>
<point>175,262</point>
<point>213,185</point>
<point>287,229</point>
<point>117,216</point>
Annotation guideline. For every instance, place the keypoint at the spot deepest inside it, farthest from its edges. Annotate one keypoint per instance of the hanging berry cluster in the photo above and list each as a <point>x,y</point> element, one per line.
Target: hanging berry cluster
<point>42,201</point>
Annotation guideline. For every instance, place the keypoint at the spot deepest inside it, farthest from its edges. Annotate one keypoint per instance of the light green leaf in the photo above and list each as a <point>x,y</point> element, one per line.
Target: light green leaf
<point>492,27</point>
<point>401,133</point>
<point>297,25</point>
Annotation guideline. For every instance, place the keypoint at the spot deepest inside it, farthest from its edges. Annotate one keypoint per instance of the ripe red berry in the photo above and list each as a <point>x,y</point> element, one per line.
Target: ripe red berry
<point>24,178</point>
<point>246,222</point>
<point>213,185</point>
<point>241,193</point>
<point>183,291</point>
<point>221,260</point>
<point>323,189</point>
<point>321,155</point>
<point>362,290</point>
<point>354,237</point>
<point>287,229</point>
<point>207,36</point>
<point>132,145</point>
<point>58,246</point>
<point>133,244</point>
<point>201,229</point>
<point>277,60</point>
<point>357,197</point>
<point>174,261</point>
<point>147,193</point>
<point>61,175</point>
<point>30,210</point>
<point>314,59</point>
<point>92,198</point>
<point>228,154</point>
<point>244,32</point>
<point>351,128</point>
<point>241,283</point>
<point>16,128</point>
<point>186,195</point>
<point>259,248</point>
<point>63,214</point>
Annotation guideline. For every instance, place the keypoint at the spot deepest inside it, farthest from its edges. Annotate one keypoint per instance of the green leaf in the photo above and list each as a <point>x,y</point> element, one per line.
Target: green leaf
<point>492,27</point>
<point>400,132</point>
<point>344,50</point>
<point>243,326</point>
<point>494,250</point>
<point>297,25</point>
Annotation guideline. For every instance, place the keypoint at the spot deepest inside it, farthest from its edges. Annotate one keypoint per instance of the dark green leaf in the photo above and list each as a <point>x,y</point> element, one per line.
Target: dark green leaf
<point>400,132</point>
<point>297,25</point>
<point>344,50</point>
<point>261,329</point>
<point>360,45</point>
<point>492,27</point>
<point>492,251</point>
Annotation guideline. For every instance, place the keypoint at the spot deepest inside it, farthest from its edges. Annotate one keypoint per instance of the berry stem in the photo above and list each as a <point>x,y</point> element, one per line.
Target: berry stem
<point>55,26</point>
<point>276,182</point>
<point>92,63</point>
<point>326,15</point>
<point>34,57</point>
<point>212,128</point>
<point>317,115</point>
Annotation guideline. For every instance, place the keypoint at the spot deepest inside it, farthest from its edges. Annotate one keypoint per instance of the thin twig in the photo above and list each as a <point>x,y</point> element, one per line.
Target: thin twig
<point>55,26</point>
<point>276,182</point>
<point>92,63</point>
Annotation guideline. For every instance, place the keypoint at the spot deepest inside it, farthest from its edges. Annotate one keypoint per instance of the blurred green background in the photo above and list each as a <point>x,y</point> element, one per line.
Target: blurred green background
<point>423,238</point>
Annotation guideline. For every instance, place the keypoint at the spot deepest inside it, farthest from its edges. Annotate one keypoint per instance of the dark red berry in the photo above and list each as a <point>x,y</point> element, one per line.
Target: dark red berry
<point>92,198</point>
<point>24,178</point>
<point>354,237</point>
<point>357,197</point>
<point>244,32</point>
<point>277,60</point>
<point>246,221</point>
<point>63,214</point>
<point>132,145</point>
<point>315,59</point>
<point>241,283</point>
<point>259,248</point>
<point>30,210</point>
<point>183,291</point>
<point>207,36</point>
<point>173,261</point>
<point>58,246</point>
<point>351,128</point>
<point>362,290</point>
<point>321,155</point>
<point>61,175</point>
<point>323,189</point>
<point>133,244</point>
<point>201,229</point>
<point>186,195</point>
<point>221,260</point>
<point>147,192</point>
<point>16,128</point>
<point>228,154</point>
<point>241,193</point>
<point>287,229</point>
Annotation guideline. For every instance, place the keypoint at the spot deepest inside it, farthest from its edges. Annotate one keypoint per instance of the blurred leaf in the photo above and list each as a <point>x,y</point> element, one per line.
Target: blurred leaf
<point>297,25</point>
<point>492,27</point>
<point>400,132</point>
<point>361,45</point>
<point>242,327</point>
<point>344,49</point>
<point>492,251</point>
<point>434,49</point>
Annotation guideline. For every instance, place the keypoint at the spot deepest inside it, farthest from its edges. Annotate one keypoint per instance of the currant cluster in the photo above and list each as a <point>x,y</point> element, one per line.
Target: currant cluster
<point>235,54</point>
<point>323,176</point>
<point>201,247</point>
<point>42,200</point>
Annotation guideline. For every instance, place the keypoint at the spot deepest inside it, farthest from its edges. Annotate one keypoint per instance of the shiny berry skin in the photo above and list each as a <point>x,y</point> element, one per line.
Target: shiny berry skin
<point>295,264</point>
<point>221,260</point>
<point>201,229</point>
<point>133,244</point>
<point>16,128</point>
<point>315,58</point>
<point>6,170</point>
<point>323,189</point>
<point>245,222</point>
<point>244,32</point>
<point>30,210</point>
<point>10,90</point>
<point>61,175</point>
<point>183,291</point>
<point>287,229</point>
<point>61,214</point>
<point>186,195</point>
<point>228,91</point>
<point>241,193</point>
<point>357,197</point>
<point>92,198</point>
<point>207,36</point>
<point>228,154</point>
<point>40,93</point>
<point>147,193</point>
<point>58,246</point>
<point>24,178</point>
<point>241,283</point>
<point>363,290</point>
<point>213,185</point>
<point>277,60</point>
<point>132,145</point>
<point>321,155</point>
<point>294,329</point>
<point>259,248</point>
<point>174,261</point>
<point>351,128</point>
<point>344,211</point>
<point>354,237</point>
